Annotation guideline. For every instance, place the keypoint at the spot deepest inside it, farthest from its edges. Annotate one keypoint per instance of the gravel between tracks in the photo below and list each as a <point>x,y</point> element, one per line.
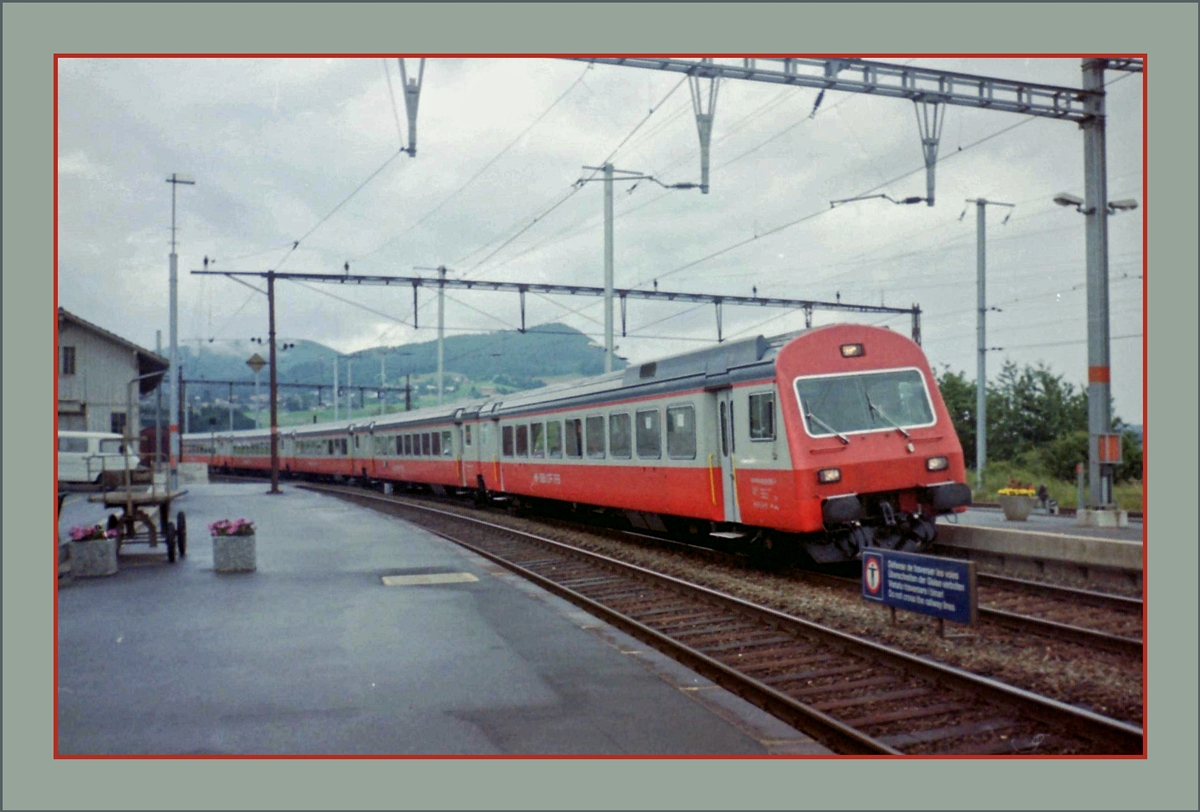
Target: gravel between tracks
<point>1104,682</point>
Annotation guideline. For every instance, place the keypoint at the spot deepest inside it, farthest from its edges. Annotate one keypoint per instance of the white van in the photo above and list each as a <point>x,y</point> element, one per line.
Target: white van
<point>83,455</point>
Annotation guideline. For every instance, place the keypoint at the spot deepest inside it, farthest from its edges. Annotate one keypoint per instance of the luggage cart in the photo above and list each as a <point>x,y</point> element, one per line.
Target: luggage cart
<point>137,495</point>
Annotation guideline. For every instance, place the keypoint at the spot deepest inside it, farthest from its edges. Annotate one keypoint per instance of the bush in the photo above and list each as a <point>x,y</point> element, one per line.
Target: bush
<point>1061,456</point>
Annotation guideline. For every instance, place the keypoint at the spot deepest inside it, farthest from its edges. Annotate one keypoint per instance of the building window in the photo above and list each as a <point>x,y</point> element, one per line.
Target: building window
<point>681,433</point>
<point>68,360</point>
<point>649,435</point>
<point>118,422</point>
<point>762,416</point>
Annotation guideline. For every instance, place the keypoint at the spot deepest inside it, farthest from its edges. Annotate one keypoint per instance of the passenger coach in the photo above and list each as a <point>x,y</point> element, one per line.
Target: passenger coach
<point>835,438</point>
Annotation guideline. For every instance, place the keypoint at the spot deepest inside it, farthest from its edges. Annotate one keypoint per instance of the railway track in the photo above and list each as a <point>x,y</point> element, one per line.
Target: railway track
<point>853,695</point>
<point>1111,622</point>
<point>1093,619</point>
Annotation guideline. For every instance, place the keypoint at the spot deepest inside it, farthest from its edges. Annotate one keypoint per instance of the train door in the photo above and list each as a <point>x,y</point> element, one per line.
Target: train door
<point>460,450</point>
<point>726,451</point>
<point>368,451</point>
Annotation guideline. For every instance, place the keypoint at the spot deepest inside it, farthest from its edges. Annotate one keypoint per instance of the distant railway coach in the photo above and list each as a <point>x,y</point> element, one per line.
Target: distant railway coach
<point>834,439</point>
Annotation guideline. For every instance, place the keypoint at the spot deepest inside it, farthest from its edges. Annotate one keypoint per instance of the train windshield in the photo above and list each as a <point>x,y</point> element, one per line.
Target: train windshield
<point>871,401</point>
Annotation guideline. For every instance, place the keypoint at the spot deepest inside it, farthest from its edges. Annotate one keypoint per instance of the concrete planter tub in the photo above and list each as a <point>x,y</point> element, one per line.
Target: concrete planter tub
<point>1016,507</point>
<point>94,558</point>
<point>234,554</point>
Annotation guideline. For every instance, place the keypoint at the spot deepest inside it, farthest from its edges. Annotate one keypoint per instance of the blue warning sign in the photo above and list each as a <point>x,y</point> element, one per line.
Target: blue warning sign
<point>929,584</point>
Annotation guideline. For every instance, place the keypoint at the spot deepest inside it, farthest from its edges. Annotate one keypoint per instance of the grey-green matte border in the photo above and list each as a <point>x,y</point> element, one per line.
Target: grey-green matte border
<point>32,33</point>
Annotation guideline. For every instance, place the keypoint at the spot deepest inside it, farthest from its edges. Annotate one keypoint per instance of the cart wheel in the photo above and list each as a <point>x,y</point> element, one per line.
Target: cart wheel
<point>181,533</point>
<point>170,534</point>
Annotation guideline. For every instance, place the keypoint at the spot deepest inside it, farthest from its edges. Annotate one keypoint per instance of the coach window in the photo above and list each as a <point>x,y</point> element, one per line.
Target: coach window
<point>343,445</point>
<point>522,441</point>
<point>329,447</point>
<point>649,434</point>
<point>436,444</point>
<point>506,440</point>
<point>447,445</point>
<point>681,433</point>
<point>762,416</point>
<point>595,437</point>
<point>537,439</point>
<point>485,434</point>
<point>554,446</point>
<point>467,435</point>
<point>406,446</point>
<point>620,440</point>
<point>575,438</point>
<point>426,445</point>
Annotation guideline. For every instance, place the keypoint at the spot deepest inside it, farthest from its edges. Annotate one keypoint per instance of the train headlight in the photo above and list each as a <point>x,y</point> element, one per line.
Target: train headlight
<point>853,351</point>
<point>827,476</point>
<point>937,464</point>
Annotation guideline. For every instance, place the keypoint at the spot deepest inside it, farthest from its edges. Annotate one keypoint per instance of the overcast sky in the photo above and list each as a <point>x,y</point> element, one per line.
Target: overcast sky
<point>275,146</point>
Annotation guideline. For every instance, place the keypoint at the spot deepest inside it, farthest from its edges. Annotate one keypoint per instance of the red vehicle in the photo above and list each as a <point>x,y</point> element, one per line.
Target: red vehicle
<point>834,439</point>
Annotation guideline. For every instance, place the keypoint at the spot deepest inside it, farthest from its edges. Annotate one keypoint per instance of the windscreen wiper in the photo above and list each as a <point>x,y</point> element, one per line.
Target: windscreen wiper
<point>813,418</point>
<point>876,410</point>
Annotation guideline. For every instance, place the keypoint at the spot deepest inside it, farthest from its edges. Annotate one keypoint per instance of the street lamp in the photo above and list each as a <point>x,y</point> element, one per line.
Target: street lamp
<point>1104,447</point>
<point>607,178</point>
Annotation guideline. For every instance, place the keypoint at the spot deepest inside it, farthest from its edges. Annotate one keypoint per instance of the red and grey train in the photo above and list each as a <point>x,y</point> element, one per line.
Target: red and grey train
<point>835,438</point>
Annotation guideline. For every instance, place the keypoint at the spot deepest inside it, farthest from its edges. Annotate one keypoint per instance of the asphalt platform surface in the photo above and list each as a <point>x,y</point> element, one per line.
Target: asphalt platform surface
<point>313,654</point>
<point>1044,523</point>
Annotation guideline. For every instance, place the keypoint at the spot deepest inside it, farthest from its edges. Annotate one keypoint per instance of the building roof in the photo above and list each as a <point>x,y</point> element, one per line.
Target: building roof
<point>148,362</point>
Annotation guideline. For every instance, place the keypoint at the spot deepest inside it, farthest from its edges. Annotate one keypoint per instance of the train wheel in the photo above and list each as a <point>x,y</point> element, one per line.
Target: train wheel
<point>181,532</point>
<point>170,534</point>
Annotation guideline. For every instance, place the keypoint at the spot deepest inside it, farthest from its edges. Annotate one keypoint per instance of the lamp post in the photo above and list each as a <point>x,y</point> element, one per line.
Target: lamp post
<point>609,171</point>
<point>175,381</point>
<point>1104,447</point>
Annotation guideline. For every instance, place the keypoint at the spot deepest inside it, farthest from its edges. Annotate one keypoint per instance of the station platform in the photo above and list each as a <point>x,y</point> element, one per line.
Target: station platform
<point>1047,545</point>
<point>314,653</point>
<point>1047,523</point>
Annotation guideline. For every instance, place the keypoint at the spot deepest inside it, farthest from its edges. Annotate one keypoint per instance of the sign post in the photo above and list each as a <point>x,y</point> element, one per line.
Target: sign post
<point>940,587</point>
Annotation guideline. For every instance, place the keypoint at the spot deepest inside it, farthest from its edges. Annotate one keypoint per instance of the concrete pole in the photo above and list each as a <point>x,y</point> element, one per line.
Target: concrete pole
<point>176,380</point>
<point>608,267</point>
<point>981,342</point>
<point>158,395</point>
<point>349,388</point>
<point>257,409</point>
<point>1096,211</point>
<point>441,326</point>
<point>335,388</point>
<point>274,384</point>
<point>382,382</point>
<point>231,405</point>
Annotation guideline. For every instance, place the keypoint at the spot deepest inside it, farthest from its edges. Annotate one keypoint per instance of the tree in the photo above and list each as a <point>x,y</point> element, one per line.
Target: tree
<point>1031,410</point>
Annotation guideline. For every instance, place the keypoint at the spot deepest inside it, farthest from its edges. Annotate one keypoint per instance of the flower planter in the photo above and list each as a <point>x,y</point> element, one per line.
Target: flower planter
<point>234,554</point>
<point>1016,508</point>
<point>92,559</point>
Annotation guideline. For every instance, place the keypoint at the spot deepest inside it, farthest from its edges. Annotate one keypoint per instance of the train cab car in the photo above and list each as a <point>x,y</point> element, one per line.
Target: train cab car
<point>875,455</point>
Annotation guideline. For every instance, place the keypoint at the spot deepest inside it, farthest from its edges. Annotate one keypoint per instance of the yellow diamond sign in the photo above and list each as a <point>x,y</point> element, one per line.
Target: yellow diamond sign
<point>255,362</point>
